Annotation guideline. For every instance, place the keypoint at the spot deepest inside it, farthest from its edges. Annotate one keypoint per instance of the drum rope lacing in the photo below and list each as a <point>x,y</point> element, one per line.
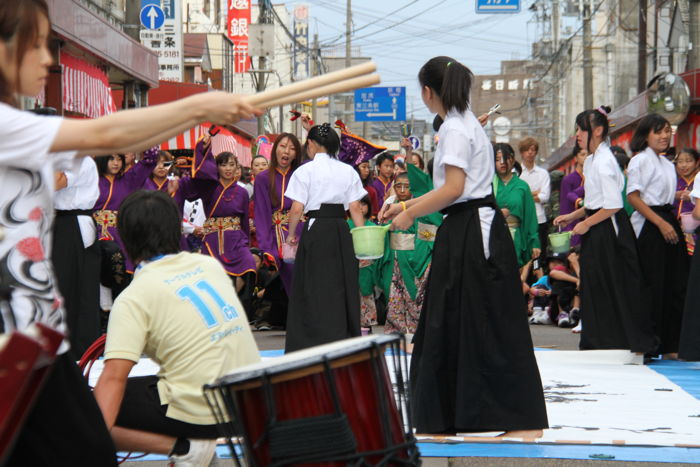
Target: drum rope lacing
<point>326,438</point>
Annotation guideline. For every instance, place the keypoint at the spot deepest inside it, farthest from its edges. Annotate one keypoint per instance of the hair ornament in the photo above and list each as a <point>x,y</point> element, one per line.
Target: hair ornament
<point>602,110</point>
<point>324,129</point>
<point>448,64</point>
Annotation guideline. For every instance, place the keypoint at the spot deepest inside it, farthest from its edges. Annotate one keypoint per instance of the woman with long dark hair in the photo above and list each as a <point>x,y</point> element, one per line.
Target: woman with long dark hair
<point>614,297</point>
<point>651,189</point>
<point>272,206</point>
<point>226,230</point>
<point>115,185</point>
<point>64,414</point>
<point>325,301</point>
<point>473,366</point>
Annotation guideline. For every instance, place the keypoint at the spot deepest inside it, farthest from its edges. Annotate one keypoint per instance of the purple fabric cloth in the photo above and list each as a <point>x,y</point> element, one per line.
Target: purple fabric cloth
<point>113,190</point>
<point>683,206</point>
<point>381,189</point>
<point>229,201</point>
<point>268,233</point>
<point>191,187</point>
<point>571,191</point>
<point>355,150</point>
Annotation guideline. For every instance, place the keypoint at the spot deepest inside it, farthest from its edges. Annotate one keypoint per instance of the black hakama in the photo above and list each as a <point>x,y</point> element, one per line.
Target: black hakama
<point>615,306</point>
<point>78,278</point>
<point>689,348</point>
<point>665,268</point>
<point>325,302</point>
<point>473,367</point>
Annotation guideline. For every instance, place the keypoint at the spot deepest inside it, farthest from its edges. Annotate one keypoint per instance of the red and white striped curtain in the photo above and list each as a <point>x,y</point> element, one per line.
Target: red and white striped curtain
<point>186,140</point>
<point>223,141</point>
<point>86,88</point>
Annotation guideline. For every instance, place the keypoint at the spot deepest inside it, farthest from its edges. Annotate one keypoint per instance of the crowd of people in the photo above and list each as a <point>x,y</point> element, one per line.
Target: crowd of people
<point>185,261</point>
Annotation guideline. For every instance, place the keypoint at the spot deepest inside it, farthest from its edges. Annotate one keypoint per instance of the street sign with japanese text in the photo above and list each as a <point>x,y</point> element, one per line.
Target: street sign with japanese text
<point>497,6</point>
<point>166,40</point>
<point>380,104</point>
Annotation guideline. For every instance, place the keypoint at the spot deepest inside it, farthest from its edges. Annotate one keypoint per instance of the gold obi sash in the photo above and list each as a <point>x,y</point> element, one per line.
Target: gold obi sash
<point>427,232</point>
<point>105,218</point>
<point>402,241</point>
<point>512,221</point>
<point>280,219</point>
<point>220,225</point>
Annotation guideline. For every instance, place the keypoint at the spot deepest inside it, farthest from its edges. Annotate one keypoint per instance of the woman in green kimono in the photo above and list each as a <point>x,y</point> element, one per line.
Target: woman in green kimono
<point>405,267</point>
<point>514,198</point>
<point>368,274</point>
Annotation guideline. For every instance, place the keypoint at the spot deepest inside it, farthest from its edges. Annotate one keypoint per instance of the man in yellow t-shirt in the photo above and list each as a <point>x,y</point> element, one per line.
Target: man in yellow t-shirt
<point>182,311</point>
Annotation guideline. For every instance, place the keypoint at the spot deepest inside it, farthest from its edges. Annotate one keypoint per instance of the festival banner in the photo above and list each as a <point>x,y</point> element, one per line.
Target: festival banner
<point>237,31</point>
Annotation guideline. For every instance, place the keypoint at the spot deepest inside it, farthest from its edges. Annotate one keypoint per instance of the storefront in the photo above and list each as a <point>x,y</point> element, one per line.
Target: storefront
<point>624,120</point>
<point>91,57</point>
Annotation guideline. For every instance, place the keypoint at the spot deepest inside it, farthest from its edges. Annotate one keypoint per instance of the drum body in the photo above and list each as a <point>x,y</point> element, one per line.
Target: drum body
<point>326,406</point>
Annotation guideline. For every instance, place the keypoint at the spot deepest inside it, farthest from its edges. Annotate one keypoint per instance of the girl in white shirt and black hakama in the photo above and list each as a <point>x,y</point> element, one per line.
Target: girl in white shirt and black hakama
<point>614,301</point>
<point>689,348</point>
<point>324,305</point>
<point>651,190</point>
<point>473,367</point>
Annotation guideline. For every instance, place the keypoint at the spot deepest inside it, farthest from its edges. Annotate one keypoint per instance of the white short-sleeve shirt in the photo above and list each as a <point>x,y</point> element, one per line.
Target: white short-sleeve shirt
<point>695,194</point>
<point>654,177</point>
<point>81,192</point>
<point>539,180</point>
<point>325,180</point>
<point>26,217</point>
<point>604,181</point>
<point>463,143</point>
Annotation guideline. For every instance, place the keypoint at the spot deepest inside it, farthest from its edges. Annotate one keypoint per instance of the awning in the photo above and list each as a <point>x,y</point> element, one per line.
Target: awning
<point>223,141</point>
<point>86,89</point>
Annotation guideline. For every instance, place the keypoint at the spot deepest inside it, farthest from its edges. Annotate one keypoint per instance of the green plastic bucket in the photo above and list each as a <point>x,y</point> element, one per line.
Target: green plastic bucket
<point>369,241</point>
<point>560,242</point>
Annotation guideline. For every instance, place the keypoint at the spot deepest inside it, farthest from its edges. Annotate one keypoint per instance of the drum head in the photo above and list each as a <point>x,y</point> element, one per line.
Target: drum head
<point>307,358</point>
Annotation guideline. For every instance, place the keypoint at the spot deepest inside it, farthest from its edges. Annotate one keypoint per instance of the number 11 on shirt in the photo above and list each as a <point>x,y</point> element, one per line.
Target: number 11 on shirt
<point>190,294</point>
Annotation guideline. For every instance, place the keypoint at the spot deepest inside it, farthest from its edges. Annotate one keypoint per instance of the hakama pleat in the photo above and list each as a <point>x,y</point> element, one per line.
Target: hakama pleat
<point>665,268</point>
<point>473,367</point>
<point>325,301</point>
<point>615,300</point>
<point>689,348</point>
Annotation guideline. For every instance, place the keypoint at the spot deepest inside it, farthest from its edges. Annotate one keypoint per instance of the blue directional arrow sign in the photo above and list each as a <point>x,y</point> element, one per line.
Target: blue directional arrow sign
<point>380,104</point>
<point>497,6</point>
<point>152,16</point>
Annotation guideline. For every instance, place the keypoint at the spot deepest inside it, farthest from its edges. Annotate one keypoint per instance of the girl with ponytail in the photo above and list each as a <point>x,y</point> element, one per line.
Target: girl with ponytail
<point>473,367</point>
<point>614,299</point>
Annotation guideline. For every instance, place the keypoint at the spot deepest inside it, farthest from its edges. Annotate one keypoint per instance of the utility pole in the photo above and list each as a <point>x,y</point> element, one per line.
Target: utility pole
<point>348,56</point>
<point>642,46</point>
<point>314,72</point>
<point>555,117</point>
<point>264,17</point>
<point>587,56</point>
<point>694,30</point>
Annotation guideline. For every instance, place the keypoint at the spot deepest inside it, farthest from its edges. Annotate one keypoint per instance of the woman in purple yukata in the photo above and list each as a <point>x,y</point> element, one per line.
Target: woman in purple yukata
<point>687,162</point>
<point>272,207</point>
<point>199,183</point>
<point>226,230</point>
<point>571,192</point>
<point>158,180</point>
<point>115,185</point>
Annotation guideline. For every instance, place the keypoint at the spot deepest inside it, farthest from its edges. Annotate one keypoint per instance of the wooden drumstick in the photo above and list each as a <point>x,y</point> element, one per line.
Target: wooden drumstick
<point>338,87</point>
<point>295,88</point>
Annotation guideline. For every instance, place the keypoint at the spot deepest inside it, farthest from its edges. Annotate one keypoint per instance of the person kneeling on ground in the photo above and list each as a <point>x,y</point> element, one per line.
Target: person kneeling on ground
<point>181,311</point>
